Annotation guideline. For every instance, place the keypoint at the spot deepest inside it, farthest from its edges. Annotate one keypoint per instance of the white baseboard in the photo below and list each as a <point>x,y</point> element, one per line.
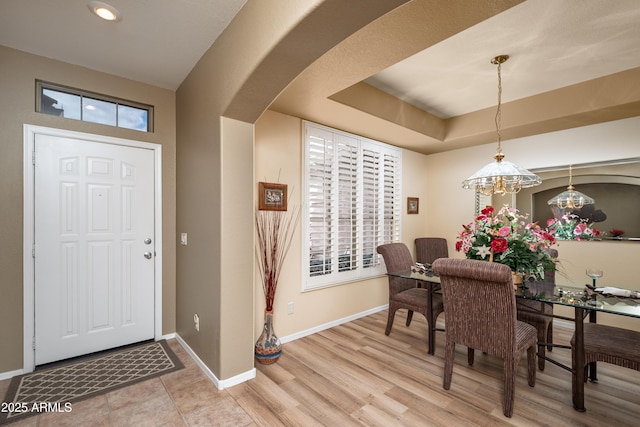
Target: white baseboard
<point>220,384</point>
<point>168,336</point>
<point>564,323</point>
<point>331,324</point>
<point>251,374</point>
<point>11,374</point>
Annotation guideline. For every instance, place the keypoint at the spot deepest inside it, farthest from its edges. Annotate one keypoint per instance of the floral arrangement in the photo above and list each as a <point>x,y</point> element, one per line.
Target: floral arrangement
<point>506,237</point>
<point>572,227</point>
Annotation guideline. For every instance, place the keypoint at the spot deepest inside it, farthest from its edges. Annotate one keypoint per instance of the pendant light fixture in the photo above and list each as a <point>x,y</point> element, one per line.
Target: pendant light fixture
<point>500,177</point>
<point>570,198</point>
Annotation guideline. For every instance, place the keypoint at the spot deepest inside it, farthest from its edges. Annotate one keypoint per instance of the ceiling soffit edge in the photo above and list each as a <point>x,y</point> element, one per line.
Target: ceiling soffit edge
<point>375,102</point>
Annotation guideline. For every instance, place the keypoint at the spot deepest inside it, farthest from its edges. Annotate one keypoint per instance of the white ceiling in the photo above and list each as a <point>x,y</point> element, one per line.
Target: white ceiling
<point>562,43</point>
<point>158,42</point>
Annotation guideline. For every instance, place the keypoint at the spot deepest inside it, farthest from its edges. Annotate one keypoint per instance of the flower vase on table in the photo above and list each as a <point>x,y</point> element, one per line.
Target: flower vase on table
<point>268,347</point>
<point>506,237</point>
<point>517,279</point>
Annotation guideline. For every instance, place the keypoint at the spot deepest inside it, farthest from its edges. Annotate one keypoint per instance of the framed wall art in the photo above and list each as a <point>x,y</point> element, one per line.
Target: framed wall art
<point>413,205</point>
<point>272,197</point>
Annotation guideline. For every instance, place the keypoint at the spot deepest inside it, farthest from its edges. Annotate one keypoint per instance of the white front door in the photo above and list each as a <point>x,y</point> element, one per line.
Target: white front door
<point>94,246</point>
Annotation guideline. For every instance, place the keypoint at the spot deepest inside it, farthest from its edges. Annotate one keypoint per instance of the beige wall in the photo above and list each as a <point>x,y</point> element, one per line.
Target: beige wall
<point>238,78</point>
<point>278,148</point>
<point>18,73</point>
<point>444,207</point>
<point>261,51</point>
<point>602,142</point>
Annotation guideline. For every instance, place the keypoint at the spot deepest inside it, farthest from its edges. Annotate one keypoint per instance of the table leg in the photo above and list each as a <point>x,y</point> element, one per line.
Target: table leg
<point>432,321</point>
<point>593,367</point>
<point>578,362</point>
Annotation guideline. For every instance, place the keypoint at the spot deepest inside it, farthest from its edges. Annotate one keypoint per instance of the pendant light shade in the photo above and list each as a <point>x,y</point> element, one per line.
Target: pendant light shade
<point>500,177</point>
<point>570,198</point>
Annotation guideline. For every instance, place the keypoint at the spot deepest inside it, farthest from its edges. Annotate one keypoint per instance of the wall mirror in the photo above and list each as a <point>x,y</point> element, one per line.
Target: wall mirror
<point>614,185</point>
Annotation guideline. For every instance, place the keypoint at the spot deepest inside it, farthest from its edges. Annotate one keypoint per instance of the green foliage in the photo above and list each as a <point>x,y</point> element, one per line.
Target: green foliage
<point>507,238</point>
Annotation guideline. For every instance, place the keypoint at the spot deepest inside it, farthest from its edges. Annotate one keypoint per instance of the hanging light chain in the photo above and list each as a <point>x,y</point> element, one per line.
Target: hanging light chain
<point>498,119</point>
<point>500,177</point>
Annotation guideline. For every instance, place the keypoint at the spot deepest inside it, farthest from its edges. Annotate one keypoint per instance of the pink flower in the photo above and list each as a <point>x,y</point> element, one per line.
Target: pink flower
<point>504,231</point>
<point>580,228</point>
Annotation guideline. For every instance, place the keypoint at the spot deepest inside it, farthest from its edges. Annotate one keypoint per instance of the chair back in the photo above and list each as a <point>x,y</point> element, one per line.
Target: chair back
<point>479,304</point>
<point>428,249</point>
<point>397,258</point>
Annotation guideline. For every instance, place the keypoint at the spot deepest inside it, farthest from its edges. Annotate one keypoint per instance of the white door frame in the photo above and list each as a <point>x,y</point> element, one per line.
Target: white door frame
<point>29,135</point>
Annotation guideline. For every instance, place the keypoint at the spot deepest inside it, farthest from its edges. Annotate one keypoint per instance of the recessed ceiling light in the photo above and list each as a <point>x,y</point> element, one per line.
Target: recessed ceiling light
<point>104,11</point>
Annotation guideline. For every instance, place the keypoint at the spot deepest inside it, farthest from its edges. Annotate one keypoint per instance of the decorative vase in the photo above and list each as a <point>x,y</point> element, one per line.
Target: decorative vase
<point>268,347</point>
<point>517,278</point>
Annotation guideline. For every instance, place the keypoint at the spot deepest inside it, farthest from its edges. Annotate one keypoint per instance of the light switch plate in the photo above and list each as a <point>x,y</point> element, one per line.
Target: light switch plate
<point>183,239</point>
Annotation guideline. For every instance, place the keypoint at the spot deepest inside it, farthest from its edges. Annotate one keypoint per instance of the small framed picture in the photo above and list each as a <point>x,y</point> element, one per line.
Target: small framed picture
<point>413,204</point>
<point>272,197</point>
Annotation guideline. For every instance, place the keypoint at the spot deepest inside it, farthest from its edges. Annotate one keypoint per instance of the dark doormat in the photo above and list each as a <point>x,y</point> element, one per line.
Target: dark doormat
<point>56,388</point>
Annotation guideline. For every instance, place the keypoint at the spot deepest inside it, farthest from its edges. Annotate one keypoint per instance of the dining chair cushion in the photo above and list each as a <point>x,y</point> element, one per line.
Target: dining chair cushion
<point>609,344</point>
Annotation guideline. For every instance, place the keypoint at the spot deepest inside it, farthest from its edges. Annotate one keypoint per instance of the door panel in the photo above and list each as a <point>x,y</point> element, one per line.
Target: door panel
<point>94,204</point>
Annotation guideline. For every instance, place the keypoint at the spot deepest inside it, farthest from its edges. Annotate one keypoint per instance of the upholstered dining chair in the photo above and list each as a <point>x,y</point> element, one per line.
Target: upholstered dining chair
<point>403,293</point>
<point>480,308</point>
<point>609,344</point>
<point>428,249</point>
<point>539,315</point>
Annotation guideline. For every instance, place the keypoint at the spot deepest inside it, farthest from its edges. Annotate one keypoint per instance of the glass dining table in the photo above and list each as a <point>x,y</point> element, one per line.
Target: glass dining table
<point>585,302</point>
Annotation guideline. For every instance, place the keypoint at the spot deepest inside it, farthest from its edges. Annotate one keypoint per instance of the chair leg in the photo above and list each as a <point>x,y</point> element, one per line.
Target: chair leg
<point>550,336</point>
<point>390,317</point>
<point>449,354</point>
<point>531,365</point>
<point>541,349</point>
<point>470,355</point>
<point>409,317</point>
<point>510,369</point>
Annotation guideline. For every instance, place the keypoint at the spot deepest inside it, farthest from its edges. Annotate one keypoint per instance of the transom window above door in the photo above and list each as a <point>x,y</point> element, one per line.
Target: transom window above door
<point>76,104</point>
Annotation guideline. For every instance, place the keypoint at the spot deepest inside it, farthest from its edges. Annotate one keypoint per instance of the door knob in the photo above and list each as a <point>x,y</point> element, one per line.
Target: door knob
<point>148,255</point>
<point>147,241</point>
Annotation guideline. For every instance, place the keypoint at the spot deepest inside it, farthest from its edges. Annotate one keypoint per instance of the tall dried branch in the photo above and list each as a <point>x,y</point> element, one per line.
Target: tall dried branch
<point>275,231</point>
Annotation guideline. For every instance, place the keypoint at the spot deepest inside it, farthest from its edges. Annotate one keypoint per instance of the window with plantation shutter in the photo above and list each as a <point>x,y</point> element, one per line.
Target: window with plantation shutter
<point>352,205</point>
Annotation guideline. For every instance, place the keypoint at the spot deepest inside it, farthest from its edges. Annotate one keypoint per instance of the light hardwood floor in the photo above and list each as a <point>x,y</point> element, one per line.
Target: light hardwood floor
<point>354,375</point>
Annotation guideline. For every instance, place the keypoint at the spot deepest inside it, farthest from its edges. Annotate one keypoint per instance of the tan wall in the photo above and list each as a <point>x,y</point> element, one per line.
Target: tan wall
<point>278,149</point>
<point>444,207</point>
<point>261,51</point>
<point>607,141</point>
<point>18,73</point>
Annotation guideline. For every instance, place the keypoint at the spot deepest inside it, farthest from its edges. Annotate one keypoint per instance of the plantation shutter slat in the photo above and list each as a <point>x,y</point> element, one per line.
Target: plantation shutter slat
<point>352,202</point>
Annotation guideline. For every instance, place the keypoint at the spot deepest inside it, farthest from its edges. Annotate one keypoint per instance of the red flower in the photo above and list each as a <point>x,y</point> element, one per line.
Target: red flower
<point>459,245</point>
<point>549,237</point>
<point>487,211</point>
<point>499,245</point>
